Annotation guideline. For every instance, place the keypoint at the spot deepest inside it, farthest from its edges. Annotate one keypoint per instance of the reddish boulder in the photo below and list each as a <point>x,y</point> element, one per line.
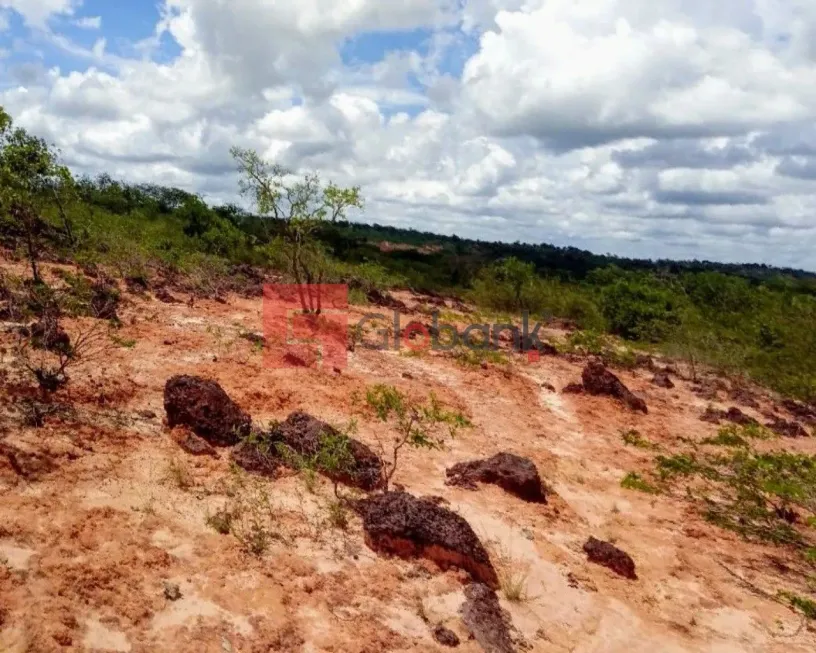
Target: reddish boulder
<point>573,389</point>
<point>403,525</point>
<point>484,618</point>
<point>598,380</point>
<point>257,459</point>
<point>304,434</point>
<point>513,473</point>
<point>203,406</point>
<point>608,555</point>
<point>663,380</point>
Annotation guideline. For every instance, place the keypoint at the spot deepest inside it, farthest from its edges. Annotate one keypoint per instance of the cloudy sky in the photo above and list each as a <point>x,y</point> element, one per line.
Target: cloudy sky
<point>653,128</point>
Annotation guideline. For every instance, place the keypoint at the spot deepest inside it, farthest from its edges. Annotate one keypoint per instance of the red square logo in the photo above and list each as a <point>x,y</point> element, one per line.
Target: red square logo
<point>305,325</point>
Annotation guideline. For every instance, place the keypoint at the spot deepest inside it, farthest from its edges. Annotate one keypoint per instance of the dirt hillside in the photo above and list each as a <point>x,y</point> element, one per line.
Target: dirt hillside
<point>107,542</point>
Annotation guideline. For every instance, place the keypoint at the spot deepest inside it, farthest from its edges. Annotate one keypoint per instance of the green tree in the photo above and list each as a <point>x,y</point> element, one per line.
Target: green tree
<point>300,206</point>
<point>30,177</point>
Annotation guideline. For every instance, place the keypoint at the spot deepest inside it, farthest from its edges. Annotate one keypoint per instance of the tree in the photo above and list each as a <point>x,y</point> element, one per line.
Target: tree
<point>30,175</point>
<point>418,424</point>
<point>300,206</point>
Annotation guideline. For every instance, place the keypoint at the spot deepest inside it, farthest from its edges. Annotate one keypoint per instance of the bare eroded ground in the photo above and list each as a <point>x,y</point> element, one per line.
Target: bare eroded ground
<point>88,546</point>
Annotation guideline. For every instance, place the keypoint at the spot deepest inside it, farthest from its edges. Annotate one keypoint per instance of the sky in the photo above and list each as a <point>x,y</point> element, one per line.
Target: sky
<point>648,128</point>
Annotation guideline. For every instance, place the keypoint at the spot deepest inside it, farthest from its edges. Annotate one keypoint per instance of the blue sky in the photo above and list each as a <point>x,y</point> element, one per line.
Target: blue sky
<point>648,127</point>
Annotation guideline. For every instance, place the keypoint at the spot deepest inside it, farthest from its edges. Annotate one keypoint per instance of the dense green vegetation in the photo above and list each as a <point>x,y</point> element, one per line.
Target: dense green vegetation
<point>749,319</point>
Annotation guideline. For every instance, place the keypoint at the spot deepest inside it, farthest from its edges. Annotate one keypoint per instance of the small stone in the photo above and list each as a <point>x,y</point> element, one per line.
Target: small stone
<point>608,555</point>
<point>172,592</point>
<point>445,636</point>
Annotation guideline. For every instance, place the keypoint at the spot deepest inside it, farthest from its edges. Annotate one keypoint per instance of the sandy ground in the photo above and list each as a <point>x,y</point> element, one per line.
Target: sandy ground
<point>87,548</point>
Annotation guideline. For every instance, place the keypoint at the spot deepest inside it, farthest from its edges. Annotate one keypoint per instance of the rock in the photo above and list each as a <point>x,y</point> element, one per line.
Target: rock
<point>146,414</point>
<point>573,389</point>
<point>712,415</point>
<point>379,298</point>
<point>202,405</point>
<point>172,592</point>
<point>743,396</point>
<point>600,381</point>
<point>710,388</point>
<point>163,295</point>
<point>800,411</point>
<point>608,555</point>
<point>548,386</point>
<point>643,360</point>
<point>407,375</point>
<point>485,620</point>
<point>662,380</point>
<point>403,525</point>
<point>445,636</point>
<point>303,434</point>
<point>512,473</point>
<point>733,414</point>
<point>736,416</point>
<point>787,429</point>
<point>193,444</point>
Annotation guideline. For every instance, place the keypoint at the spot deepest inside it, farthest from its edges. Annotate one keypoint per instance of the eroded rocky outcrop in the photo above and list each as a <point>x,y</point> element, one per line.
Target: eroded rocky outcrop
<point>515,474</point>
<point>608,555</point>
<point>597,380</point>
<point>400,524</point>
<point>485,620</point>
<point>203,406</point>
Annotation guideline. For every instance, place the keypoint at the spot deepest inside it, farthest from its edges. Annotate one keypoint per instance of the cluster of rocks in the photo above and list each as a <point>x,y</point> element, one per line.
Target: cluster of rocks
<point>394,522</point>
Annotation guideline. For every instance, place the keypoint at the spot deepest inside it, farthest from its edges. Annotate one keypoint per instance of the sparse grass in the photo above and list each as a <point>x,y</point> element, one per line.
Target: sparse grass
<point>635,439</point>
<point>126,343</point>
<point>513,572</point>
<point>178,474</point>
<point>220,521</point>
<point>804,605</point>
<point>338,514</point>
<point>633,481</point>
<point>468,357</point>
<point>253,517</point>
<point>357,297</point>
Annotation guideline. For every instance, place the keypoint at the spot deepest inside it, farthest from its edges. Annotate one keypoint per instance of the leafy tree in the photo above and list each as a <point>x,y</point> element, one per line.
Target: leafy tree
<point>30,174</point>
<point>639,310</point>
<point>420,425</point>
<point>301,206</point>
